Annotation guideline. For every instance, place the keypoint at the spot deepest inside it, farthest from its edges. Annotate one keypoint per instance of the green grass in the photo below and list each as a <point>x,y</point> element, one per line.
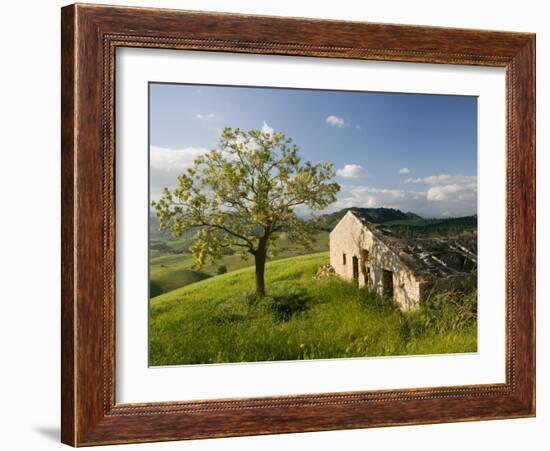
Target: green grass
<point>171,265</point>
<point>220,320</point>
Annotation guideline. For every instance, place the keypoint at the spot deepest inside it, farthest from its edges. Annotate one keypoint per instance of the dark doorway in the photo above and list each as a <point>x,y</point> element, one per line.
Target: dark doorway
<point>387,282</point>
<point>365,267</point>
<point>355,263</point>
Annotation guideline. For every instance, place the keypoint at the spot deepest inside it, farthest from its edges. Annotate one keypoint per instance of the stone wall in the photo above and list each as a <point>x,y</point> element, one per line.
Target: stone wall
<point>351,238</point>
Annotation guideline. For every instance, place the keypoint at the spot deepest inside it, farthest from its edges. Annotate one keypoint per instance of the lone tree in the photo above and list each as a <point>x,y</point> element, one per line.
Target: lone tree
<point>244,194</point>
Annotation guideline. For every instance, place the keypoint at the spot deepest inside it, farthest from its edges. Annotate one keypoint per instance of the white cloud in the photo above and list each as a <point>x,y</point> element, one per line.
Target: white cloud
<point>267,129</point>
<point>166,164</point>
<point>416,180</point>
<point>352,171</point>
<point>167,160</point>
<point>336,121</point>
<point>202,116</point>
<point>444,179</point>
<point>453,193</point>
<point>449,194</point>
<point>446,195</point>
<point>447,179</point>
<point>404,171</point>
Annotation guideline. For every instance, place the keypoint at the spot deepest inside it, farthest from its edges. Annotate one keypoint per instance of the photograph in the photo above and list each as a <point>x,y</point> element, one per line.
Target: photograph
<point>296,224</point>
<point>261,226</point>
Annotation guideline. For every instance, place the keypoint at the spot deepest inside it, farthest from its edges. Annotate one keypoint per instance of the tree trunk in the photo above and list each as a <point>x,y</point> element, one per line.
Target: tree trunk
<point>260,270</point>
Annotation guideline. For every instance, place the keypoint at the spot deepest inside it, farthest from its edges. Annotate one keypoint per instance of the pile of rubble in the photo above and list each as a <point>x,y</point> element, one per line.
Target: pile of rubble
<point>325,271</point>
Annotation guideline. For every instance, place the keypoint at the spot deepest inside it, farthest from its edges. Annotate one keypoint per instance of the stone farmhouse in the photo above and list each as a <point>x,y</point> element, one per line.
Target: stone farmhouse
<point>406,270</point>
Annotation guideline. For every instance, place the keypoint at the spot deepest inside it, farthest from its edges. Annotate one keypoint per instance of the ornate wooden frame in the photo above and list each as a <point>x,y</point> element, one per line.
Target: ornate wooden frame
<point>90,35</point>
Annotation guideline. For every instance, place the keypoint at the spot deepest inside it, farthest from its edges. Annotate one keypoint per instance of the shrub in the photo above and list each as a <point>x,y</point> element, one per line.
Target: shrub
<point>154,289</point>
<point>222,269</point>
<point>442,313</point>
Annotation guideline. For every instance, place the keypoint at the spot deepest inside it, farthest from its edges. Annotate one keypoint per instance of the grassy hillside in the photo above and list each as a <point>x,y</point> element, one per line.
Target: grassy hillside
<point>170,271</point>
<point>171,264</point>
<point>220,320</point>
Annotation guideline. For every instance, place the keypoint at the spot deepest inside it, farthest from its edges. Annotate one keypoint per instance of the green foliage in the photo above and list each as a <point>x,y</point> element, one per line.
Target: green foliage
<point>242,195</point>
<point>221,319</point>
<point>222,269</point>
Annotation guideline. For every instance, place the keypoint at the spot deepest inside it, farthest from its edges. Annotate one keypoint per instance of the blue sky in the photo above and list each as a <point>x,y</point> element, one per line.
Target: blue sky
<point>408,151</point>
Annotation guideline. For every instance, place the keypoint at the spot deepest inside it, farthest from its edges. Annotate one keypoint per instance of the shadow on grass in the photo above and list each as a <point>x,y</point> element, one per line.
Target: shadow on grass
<point>281,303</point>
<point>284,307</point>
<point>285,300</point>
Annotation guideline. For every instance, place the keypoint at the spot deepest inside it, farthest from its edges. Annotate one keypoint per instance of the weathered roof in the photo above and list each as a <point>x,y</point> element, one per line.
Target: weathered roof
<point>429,258</point>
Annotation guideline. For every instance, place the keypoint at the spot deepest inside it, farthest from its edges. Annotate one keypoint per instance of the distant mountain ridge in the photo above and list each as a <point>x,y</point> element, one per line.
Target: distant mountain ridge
<point>374,215</point>
<point>401,224</point>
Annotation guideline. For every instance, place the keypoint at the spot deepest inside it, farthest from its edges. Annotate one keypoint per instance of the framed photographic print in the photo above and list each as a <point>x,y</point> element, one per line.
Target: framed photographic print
<point>279,225</point>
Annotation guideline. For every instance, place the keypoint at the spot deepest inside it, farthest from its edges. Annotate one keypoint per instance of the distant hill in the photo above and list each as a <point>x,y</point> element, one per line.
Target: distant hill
<point>406,225</point>
<point>464,226</point>
<point>374,215</point>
